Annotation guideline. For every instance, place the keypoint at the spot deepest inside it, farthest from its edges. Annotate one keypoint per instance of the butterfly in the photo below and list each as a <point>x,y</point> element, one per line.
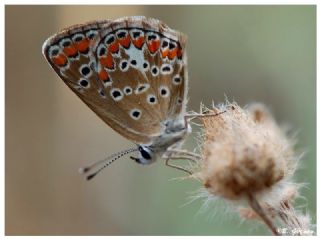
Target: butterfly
<point>132,72</point>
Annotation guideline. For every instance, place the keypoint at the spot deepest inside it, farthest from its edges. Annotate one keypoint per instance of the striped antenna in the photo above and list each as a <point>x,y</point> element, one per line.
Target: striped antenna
<point>105,162</point>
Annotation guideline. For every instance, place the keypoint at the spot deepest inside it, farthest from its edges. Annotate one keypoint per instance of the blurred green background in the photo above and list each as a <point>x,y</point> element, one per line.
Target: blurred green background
<point>249,53</point>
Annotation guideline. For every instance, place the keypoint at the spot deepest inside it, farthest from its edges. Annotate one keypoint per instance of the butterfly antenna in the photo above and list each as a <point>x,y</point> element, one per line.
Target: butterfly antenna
<point>106,162</point>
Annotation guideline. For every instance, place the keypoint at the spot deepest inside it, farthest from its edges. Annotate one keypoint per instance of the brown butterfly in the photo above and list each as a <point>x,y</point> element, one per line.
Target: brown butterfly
<point>132,72</point>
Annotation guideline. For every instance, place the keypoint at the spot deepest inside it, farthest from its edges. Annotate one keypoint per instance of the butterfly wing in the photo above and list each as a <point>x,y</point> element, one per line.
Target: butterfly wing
<point>151,55</point>
<point>103,63</point>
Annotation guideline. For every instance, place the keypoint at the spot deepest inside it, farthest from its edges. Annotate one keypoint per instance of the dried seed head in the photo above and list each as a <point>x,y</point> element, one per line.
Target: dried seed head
<point>249,161</point>
<point>243,152</point>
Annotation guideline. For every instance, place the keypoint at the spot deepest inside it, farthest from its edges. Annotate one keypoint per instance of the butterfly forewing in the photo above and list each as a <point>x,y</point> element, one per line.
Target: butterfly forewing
<point>130,72</point>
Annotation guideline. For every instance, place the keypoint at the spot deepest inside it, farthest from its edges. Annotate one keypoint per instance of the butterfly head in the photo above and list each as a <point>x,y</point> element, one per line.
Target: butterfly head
<point>146,155</point>
<point>173,133</point>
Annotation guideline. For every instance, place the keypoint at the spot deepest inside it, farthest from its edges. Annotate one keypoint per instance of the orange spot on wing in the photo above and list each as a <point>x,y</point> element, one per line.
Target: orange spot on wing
<point>114,47</point>
<point>153,46</point>
<point>83,45</point>
<point>173,53</point>
<point>60,60</point>
<point>103,75</point>
<point>164,53</point>
<point>125,42</point>
<point>70,50</point>
<point>107,61</point>
<point>138,43</point>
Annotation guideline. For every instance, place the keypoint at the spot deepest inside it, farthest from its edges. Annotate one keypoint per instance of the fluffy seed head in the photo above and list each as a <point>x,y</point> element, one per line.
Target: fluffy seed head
<point>244,152</point>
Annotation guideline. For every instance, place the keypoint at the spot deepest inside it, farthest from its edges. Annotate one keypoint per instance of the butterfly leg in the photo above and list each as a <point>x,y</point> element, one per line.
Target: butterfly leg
<point>184,153</point>
<point>177,167</point>
<point>189,117</point>
<point>177,154</point>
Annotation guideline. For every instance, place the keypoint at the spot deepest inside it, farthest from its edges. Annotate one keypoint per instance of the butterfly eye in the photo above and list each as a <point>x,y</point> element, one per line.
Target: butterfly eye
<point>166,69</point>
<point>135,114</point>
<point>164,91</point>
<point>176,80</point>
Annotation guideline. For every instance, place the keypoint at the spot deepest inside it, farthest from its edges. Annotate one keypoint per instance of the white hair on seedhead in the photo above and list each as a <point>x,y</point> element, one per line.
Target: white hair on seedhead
<point>211,205</point>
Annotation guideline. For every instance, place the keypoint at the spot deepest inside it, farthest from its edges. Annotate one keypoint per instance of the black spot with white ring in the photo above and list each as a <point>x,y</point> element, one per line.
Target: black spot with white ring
<point>122,34</point>
<point>109,39</point>
<point>176,80</point>
<point>164,91</point>
<point>116,94</point>
<point>124,65</point>
<point>85,71</point>
<point>141,88</point>
<point>127,90</point>
<point>152,36</point>
<point>152,99</point>
<point>154,70</point>
<point>179,101</point>
<point>102,50</point>
<point>135,114</point>
<point>84,83</point>
<point>78,37</point>
<point>65,42</point>
<point>91,34</point>
<point>165,43</point>
<point>166,69</point>
<point>54,51</point>
<point>145,66</point>
<point>136,35</point>
<point>172,45</point>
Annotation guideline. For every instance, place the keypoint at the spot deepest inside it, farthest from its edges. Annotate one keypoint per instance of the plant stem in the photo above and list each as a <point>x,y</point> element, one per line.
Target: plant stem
<point>258,209</point>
